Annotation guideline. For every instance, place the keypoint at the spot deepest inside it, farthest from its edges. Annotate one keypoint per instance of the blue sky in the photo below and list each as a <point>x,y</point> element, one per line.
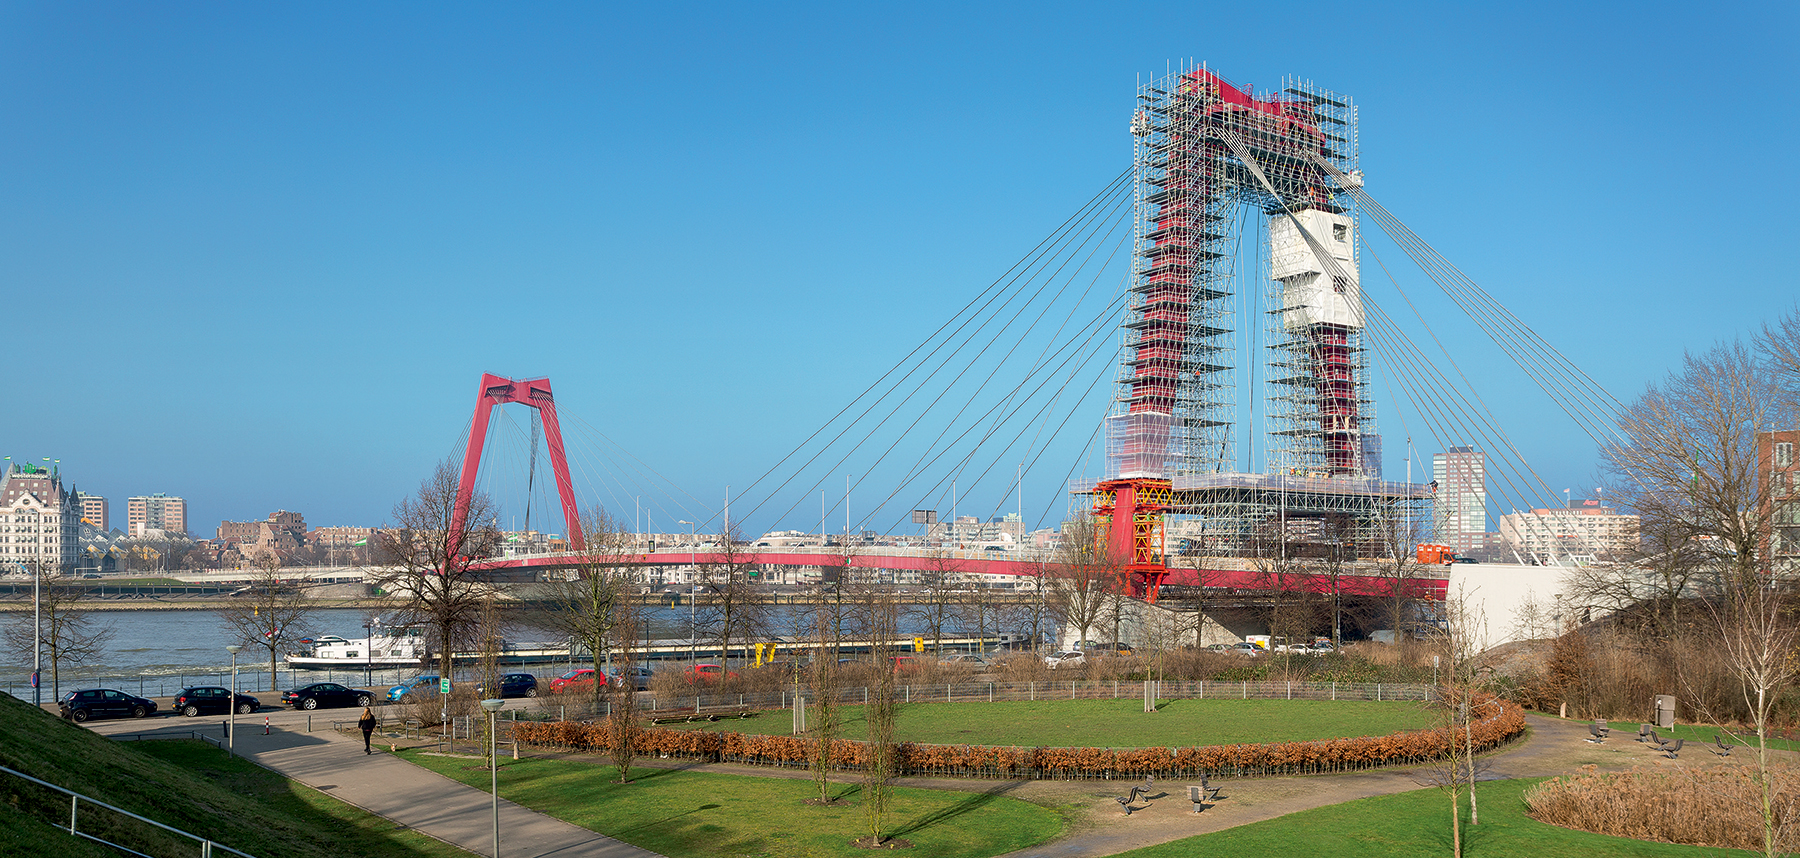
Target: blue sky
<point>258,256</point>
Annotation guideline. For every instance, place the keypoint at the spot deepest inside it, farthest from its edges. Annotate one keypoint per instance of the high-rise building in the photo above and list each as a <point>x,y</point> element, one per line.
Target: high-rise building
<point>1779,455</point>
<point>1460,476</point>
<point>156,512</point>
<point>40,522</point>
<point>95,511</point>
<point>1583,530</point>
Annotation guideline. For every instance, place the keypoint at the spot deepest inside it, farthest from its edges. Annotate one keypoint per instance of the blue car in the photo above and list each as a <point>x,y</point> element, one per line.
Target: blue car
<point>418,686</point>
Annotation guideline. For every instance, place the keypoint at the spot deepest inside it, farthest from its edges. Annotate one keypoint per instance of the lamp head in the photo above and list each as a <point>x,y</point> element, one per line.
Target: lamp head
<point>492,705</point>
<point>233,648</point>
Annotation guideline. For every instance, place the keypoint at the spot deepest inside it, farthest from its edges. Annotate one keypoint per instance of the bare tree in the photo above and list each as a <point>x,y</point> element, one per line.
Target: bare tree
<point>826,678</point>
<point>68,633</point>
<point>1686,458</point>
<point>268,613</point>
<point>622,721</point>
<point>734,609</point>
<point>435,547</point>
<point>489,645</point>
<point>1032,616</point>
<point>933,609</point>
<point>1779,347</point>
<point>590,603</point>
<point>1397,535</point>
<point>977,613</point>
<point>880,714</point>
<point>1456,643</point>
<point>1758,639</point>
<point>1087,578</point>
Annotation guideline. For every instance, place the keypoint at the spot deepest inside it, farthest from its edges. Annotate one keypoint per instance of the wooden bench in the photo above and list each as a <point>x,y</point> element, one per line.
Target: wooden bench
<point>703,715</point>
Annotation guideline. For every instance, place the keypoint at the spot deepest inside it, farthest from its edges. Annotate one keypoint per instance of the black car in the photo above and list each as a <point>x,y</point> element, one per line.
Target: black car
<point>104,703</point>
<point>326,695</point>
<point>212,700</point>
<point>513,685</point>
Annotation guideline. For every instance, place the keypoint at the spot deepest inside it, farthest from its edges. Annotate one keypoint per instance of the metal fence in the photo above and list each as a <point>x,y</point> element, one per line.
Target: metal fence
<point>248,682</point>
<point>556,709</point>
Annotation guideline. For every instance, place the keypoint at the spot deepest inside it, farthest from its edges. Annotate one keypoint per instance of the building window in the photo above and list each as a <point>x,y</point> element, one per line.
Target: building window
<point>1340,231</point>
<point>1784,455</point>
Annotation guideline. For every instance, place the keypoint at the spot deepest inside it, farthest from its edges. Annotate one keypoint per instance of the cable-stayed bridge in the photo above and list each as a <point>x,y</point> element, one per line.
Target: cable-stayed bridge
<point>1203,323</point>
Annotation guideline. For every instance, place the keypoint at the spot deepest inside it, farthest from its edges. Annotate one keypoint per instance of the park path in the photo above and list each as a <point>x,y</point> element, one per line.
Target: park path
<point>391,787</point>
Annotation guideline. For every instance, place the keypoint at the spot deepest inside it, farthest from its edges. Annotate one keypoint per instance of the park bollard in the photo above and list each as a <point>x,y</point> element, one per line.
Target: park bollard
<point>309,723</point>
<point>225,729</point>
<point>265,725</point>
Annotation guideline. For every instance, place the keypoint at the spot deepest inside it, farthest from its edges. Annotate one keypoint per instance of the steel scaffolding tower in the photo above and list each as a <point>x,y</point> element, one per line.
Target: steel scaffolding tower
<point>1204,149</point>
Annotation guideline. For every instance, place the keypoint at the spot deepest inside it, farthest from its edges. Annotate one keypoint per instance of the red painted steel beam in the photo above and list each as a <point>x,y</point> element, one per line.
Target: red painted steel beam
<point>1349,585</point>
<point>534,393</point>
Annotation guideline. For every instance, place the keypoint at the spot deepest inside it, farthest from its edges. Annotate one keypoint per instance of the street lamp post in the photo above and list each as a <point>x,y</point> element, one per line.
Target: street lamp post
<point>231,711</point>
<point>369,651</point>
<point>37,637</point>
<point>493,707</point>
<point>693,583</point>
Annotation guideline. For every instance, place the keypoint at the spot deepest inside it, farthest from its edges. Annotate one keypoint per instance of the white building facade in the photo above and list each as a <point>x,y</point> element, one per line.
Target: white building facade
<point>40,521</point>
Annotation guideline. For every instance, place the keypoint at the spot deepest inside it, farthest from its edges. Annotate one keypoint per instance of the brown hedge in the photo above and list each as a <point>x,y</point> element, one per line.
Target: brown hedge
<point>1326,755</point>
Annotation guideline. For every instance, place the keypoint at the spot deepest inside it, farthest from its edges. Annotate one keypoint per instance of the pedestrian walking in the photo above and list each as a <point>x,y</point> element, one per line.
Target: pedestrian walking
<point>367,723</point>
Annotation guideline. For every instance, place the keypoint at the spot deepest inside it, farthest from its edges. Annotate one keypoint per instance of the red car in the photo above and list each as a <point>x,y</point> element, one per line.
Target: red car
<point>704,673</point>
<point>579,679</point>
<point>905,662</point>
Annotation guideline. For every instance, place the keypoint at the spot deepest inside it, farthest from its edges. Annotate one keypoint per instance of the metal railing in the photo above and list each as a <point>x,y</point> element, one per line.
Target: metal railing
<point>567,708</point>
<point>207,847</point>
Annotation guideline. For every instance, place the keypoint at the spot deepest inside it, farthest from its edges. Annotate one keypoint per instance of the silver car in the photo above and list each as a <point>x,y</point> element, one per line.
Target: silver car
<point>1070,657</point>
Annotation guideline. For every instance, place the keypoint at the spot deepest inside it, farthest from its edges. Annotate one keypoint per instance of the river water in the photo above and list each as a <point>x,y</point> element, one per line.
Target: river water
<point>156,653</point>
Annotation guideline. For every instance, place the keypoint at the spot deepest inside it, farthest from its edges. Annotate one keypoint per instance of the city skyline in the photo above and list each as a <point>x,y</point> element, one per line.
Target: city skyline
<point>284,244</point>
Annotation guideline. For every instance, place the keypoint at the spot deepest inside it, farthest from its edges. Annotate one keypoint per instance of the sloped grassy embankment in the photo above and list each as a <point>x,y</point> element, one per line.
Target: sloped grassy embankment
<point>187,784</point>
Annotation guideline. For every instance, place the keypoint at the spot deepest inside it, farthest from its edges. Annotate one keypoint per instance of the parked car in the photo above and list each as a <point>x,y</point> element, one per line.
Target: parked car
<point>1321,647</point>
<point>513,685</point>
<point>786,667</point>
<point>639,677</point>
<point>420,685</point>
<point>905,662</point>
<point>579,679</point>
<point>707,673</point>
<point>212,700</point>
<point>1065,658</point>
<point>965,659</point>
<point>1218,648</point>
<point>104,703</point>
<point>326,695</point>
<point>1106,648</point>
<point>1246,648</point>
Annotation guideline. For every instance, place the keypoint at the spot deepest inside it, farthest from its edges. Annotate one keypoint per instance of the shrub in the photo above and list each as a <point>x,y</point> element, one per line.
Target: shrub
<point>1699,807</point>
<point>1331,755</point>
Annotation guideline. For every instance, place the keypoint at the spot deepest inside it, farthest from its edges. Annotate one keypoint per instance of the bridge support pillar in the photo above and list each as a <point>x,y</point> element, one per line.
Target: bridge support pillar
<point>1129,515</point>
<point>535,393</point>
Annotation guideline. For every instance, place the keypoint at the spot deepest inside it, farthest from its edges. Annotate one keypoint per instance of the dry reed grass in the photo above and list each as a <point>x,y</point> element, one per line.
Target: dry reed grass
<point>1714,806</point>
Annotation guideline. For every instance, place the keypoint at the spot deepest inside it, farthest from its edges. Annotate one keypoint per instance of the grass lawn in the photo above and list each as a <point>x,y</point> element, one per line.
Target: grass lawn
<point>352,829</point>
<point>186,784</point>
<point>1415,823</point>
<point>703,815</point>
<point>1697,734</point>
<point>1119,723</point>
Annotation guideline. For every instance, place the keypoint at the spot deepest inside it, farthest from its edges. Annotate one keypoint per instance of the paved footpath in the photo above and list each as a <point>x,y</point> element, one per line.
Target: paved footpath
<point>386,785</point>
